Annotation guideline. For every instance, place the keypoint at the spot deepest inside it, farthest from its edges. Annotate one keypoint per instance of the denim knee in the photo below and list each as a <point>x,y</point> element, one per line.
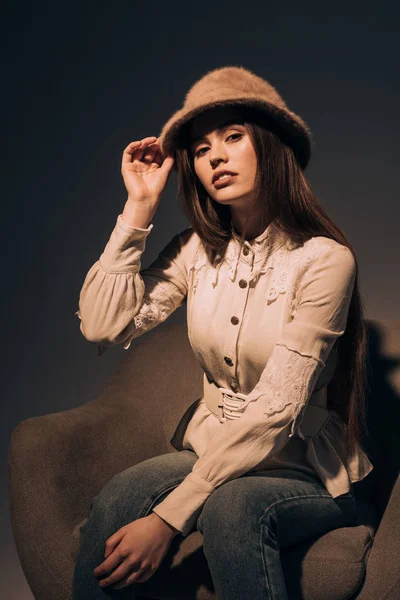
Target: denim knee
<point>227,507</point>
<point>132,493</point>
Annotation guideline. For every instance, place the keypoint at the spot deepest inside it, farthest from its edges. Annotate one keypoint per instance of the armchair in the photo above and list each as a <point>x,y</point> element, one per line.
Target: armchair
<point>59,461</point>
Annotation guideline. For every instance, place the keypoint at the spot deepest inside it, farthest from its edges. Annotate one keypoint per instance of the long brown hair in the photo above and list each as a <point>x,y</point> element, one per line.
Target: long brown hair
<point>296,210</point>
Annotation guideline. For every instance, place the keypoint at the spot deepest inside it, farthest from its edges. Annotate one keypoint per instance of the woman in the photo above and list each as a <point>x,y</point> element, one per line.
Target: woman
<point>268,456</point>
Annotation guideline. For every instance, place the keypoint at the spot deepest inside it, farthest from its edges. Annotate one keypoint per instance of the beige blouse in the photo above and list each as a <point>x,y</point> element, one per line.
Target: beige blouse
<point>262,322</point>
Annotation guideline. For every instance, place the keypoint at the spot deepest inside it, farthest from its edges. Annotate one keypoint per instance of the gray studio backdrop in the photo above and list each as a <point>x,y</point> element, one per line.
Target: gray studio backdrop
<point>82,83</point>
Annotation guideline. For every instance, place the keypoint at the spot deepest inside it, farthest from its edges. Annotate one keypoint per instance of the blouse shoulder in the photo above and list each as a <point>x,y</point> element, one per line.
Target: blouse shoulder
<point>325,258</point>
<point>181,248</point>
<point>322,246</point>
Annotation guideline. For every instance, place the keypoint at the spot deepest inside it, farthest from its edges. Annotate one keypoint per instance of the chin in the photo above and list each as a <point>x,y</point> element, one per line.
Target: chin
<point>226,200</point>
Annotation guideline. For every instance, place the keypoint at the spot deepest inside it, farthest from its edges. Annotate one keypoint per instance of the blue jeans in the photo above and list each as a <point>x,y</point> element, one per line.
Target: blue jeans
<point>245,522</point>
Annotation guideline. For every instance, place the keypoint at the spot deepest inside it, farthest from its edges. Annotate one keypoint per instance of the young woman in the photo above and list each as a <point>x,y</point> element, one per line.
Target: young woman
<point>268,456</point>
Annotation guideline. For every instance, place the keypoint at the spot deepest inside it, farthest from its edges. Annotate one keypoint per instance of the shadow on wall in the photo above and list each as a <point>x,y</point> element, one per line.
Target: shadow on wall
<point>382,443</point>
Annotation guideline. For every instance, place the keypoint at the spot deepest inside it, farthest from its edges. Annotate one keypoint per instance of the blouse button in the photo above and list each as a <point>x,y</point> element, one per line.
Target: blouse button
<point>242,283</point>
<point>234,320</point>
<point>245,251</point>
<point>228,361</point>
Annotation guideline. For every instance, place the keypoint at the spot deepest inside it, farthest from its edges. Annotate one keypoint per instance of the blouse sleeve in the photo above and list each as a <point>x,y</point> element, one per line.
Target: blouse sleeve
<point>119,301</point>
<point>324,291</point>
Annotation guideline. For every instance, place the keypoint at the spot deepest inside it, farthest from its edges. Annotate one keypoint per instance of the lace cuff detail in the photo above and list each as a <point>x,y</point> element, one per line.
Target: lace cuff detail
<point>288,379</point>
<point>154,310</point>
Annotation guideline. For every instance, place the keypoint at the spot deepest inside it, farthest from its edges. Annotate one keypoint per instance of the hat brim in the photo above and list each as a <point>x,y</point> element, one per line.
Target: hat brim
<point>291,129</point>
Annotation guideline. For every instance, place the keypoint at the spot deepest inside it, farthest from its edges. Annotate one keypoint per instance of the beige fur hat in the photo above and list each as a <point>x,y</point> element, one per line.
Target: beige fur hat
<point>235,85</point>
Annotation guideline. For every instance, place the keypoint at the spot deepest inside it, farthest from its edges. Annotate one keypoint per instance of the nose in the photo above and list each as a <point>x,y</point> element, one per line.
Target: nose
<point>216,158</point>
<point>217,154</point>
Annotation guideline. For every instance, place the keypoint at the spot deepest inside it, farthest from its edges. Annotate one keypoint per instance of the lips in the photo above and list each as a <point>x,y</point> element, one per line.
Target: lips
<point>224,182</point>
<point>222,172</point>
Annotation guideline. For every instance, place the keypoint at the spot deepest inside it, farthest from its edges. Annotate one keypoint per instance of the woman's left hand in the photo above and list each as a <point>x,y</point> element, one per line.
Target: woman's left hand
<point>135,551</point>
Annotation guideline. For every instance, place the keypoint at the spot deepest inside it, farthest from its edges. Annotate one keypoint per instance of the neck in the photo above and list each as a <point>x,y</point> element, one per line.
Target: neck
<point>252,226</point>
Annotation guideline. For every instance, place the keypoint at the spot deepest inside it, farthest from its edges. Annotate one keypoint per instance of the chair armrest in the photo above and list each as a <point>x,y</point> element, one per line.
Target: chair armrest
<point>58,463</point>
<point>382,581</point>
<point>56,452</point>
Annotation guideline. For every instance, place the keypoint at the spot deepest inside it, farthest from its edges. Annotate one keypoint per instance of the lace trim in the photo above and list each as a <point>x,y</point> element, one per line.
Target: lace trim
<point>154,310</point>
<point>282,282</point>
<point>288,378</point>
<point>231,258</point>
<point>288,267</point>
<point>282,261</point>
<point>200,261</point>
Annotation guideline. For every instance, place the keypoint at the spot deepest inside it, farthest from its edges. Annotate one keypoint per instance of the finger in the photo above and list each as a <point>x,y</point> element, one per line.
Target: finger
<point>145,142</point>
<point>134,146</point>
<point>144,153</point>
<point>153,147</point>
<point>139,576</point>
<point>106,567</point>
<point>114,540</point>
<point>119,573</point>
<point>150,152</point>
<point>112,559</point>
<point>144,576</point>
<point>158,158</point>
<point>129,150</point>
<point>167,164</point>
<point>148,139</point>
<point>109,550</point>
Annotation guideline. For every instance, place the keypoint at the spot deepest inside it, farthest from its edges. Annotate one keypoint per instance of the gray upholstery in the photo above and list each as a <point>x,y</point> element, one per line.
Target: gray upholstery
<point>58,462</point>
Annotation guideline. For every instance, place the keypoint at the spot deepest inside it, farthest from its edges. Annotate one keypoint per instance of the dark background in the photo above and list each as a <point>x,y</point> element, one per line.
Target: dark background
<point>82,81</point>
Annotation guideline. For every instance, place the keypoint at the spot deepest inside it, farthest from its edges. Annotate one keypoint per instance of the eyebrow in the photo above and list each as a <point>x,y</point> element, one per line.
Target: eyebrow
<point>219,129</point>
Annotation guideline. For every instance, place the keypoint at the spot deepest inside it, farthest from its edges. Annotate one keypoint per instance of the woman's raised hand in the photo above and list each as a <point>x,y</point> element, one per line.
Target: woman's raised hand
<point>145,170</point>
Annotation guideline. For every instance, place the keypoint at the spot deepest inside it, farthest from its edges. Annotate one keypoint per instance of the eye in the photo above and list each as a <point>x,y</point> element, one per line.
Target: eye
<point>232,134</point>
<point>198,153</point>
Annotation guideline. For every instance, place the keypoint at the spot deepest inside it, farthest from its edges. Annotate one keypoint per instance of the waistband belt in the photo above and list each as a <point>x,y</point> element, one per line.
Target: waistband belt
<point>228,405</point>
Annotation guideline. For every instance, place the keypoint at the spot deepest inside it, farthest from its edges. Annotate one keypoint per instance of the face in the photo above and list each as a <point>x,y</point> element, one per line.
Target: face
<point>217,145</point>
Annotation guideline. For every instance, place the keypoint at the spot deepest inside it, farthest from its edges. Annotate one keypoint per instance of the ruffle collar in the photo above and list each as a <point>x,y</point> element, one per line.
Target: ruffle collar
<point>263,246</point>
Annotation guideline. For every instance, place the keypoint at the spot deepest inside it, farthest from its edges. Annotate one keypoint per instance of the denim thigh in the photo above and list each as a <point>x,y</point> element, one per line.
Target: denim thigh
<point>247,521</point>
<point>300,501</point>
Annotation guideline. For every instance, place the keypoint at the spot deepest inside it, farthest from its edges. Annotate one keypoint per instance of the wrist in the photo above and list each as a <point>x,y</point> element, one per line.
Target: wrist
<point>167,526</point>
<point>136,216</point>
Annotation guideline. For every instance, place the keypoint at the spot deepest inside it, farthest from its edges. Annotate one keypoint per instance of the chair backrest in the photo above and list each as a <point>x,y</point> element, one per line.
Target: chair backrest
<point>163,365</point>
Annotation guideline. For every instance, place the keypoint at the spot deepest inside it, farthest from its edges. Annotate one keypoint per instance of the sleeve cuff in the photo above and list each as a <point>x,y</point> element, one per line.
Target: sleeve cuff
<point>124,249</point>
<point>129,228</point>
<point>183,505</point>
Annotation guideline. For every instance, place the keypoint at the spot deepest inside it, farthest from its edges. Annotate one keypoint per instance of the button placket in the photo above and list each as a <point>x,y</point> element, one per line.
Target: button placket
<point>238,308</point>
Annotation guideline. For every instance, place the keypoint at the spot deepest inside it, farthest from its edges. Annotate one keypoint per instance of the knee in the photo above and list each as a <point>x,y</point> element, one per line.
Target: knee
<point>226,511</point>
<point>132,493</point>
<point>118,503</point>
<point>104,513</point>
